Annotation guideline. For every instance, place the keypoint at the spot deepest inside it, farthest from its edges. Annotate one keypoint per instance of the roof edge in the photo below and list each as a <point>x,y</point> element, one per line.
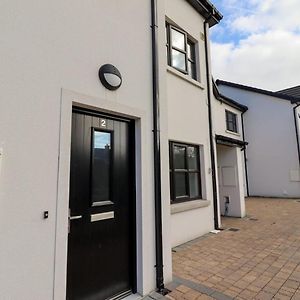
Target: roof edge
<point>257,90</point>
<point>207,10</point>
<point>227,100</point>
<point>291,92</point>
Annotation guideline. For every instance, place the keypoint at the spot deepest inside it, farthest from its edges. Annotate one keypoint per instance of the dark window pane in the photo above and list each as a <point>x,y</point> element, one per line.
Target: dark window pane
<point>191,51</point>
<point>231,121</point>
<point>178,39</point>
<point>178,60</point>
<point>184,172</point>
<point>179,157</point>
<point>101,166</point>
<point>180,185</point>
<point>231,126</point>
<point>194,185</point>
<point>192,158</point>
<point>192,69</point>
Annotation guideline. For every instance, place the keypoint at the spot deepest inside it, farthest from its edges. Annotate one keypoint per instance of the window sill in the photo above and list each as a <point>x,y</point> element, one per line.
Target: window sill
<point>185,77</point>
<point>234,133</point>
<point>188,205</point>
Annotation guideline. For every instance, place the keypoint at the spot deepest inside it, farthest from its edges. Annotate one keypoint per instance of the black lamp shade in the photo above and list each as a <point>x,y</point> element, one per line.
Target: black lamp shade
<point>110,77</point>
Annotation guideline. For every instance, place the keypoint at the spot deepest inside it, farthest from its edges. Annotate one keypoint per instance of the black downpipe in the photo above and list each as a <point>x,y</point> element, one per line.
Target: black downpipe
<point>211,139</point>
<point>157,159</point>
<point>297,133</point>
<point>245,154</point>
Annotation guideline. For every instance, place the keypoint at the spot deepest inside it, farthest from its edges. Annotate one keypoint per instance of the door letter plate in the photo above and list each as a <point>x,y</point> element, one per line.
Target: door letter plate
<point>102,216</point>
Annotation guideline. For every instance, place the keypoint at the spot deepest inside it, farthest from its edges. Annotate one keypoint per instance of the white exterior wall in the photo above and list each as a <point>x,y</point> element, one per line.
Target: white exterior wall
<point>231,180</point>
<point>188,123</point>
<point>51,52</point>
<point>272,151</point>
<point>219,120</point>
<point>230,159</point>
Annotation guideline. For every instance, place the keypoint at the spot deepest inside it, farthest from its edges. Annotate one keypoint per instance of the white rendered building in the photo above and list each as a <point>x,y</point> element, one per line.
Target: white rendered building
<point>105,157</point>
<point>272,130</point>
<point>230,154</point>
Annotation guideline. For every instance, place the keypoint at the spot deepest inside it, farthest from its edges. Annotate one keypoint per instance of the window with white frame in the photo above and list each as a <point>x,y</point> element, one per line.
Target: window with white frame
<point>231,121</point>
<point>185,179</point>
<point>181,51</point>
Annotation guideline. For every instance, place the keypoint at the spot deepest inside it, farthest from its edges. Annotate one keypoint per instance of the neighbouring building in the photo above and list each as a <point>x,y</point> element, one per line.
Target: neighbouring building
<point>295,93</point>
<point>272,130</point>
<point>230,154</point>
<point>105,144</point>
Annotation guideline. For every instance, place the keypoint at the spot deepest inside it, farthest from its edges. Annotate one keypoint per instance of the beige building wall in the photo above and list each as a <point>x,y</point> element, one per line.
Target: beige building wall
<point>188,123</point>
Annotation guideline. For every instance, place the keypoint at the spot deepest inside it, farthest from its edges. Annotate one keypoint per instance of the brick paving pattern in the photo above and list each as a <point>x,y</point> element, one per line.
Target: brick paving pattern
<point>259,261</point>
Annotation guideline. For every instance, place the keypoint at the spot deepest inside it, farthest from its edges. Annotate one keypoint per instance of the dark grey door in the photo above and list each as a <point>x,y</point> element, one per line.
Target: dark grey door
<point>101,233</point>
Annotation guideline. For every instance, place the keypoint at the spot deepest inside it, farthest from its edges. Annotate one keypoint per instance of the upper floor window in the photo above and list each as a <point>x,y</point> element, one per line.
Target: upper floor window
<point>231,121</point>
<point>185,181</point>
<point>181,52</point>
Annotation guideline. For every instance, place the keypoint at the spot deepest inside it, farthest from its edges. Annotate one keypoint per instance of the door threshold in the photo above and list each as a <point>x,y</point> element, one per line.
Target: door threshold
<point>124,295</point>
<point>133,297</point>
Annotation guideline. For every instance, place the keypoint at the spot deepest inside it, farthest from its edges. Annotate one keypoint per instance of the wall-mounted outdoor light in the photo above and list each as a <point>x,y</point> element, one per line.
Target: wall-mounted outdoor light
<point>110,77</point>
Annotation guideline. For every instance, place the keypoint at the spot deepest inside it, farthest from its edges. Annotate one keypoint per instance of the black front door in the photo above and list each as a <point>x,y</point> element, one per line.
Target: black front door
<point>101,223</point>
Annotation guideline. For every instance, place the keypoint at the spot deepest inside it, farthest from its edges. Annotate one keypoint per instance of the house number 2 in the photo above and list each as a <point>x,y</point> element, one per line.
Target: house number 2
<point>102,123</point>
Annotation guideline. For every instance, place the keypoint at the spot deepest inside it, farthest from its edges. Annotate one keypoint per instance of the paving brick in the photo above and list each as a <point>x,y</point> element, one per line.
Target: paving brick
<point>287,289</point>
<point>183,289</point>
<point>204,297</point>
<point>292,284</point>
<point>264,296</point>
<point>286,293</point>
<point>282,297</point>
<point>253,288</point>
<point>231,293</point>
<point>247,294</point>
<point>191,295</point>
<point>296,296</point>
<point>241,284</point>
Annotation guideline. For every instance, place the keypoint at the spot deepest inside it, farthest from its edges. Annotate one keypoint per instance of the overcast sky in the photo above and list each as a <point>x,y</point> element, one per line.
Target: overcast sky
<point>257,43</point>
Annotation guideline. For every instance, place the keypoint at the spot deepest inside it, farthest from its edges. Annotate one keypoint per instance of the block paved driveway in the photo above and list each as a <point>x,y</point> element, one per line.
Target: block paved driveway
<point>259,261</point>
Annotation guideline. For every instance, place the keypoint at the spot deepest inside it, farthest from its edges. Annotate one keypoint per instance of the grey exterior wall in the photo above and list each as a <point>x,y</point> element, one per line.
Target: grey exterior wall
<point>272,151</point>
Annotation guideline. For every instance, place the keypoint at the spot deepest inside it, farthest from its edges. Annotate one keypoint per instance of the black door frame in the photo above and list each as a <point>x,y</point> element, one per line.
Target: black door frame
<point>132,146</point>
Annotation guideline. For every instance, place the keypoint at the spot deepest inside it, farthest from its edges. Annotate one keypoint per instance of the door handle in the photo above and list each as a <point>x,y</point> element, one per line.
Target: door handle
<point>70,218</point>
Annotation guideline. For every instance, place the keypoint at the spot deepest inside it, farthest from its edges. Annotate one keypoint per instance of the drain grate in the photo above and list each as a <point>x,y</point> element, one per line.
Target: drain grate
<point>233,229</point>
